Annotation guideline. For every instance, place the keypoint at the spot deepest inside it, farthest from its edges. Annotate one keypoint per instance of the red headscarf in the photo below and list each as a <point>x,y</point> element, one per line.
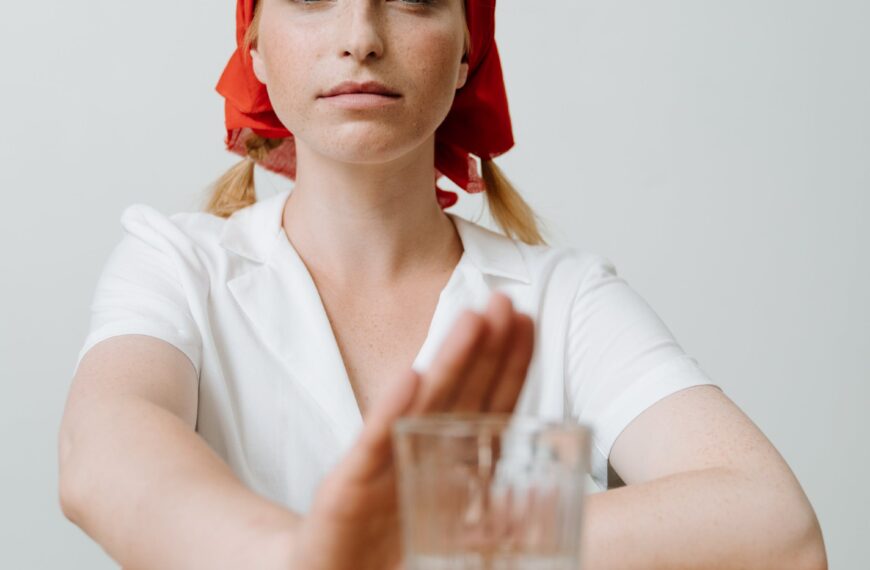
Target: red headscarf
<point>478,123</point>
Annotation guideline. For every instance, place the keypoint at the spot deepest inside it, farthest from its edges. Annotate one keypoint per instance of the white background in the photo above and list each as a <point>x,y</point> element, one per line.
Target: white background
<point>717,152</point>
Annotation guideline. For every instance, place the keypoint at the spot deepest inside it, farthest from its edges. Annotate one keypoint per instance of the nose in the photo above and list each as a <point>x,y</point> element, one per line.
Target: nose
<point>362,34</point>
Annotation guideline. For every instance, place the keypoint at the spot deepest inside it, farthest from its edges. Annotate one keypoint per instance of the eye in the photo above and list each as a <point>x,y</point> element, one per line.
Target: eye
<point>421,2</point>
<point>405,1</point>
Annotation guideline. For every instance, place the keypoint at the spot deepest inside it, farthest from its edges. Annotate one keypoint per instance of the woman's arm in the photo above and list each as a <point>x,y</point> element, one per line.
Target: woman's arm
<point>136,477</point>
<point>706,489</point>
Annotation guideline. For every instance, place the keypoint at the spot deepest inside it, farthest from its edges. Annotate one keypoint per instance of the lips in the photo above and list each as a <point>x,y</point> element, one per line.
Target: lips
<point>373,87</point>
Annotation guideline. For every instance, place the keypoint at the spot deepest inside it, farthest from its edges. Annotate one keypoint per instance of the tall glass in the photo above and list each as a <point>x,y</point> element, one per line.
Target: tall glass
<point>491,491</point>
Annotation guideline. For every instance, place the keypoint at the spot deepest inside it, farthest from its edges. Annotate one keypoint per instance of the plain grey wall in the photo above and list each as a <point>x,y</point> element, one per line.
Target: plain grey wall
<point>717,152</point>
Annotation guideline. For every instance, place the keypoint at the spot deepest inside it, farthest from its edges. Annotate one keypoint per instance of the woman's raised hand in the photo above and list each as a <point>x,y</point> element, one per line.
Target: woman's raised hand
<point>354,522</point>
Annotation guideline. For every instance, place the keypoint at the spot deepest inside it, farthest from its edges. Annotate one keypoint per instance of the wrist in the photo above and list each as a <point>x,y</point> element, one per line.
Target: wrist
<point>276,548</point>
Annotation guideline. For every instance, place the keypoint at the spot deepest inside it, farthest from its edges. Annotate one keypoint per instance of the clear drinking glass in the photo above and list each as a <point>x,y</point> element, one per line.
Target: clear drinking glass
<point>491,491</point>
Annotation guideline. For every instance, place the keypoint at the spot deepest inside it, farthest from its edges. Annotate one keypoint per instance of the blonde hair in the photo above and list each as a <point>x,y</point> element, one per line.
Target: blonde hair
<point>235,190</point>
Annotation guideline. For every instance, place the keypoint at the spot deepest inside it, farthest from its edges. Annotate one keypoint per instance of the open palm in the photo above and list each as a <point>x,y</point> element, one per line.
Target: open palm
<point>354,519</point>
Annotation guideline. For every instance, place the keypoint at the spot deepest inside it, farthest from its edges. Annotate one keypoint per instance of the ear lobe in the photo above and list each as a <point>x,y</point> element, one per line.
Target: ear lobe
<point>463,75</point>
<point>259,66</point>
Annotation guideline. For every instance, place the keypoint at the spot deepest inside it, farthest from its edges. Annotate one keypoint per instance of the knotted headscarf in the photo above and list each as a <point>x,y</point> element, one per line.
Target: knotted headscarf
<point>478,122</point>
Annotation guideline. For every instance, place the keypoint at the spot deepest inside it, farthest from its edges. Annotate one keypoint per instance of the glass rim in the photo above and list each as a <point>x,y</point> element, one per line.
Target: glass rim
<point>468,424</point>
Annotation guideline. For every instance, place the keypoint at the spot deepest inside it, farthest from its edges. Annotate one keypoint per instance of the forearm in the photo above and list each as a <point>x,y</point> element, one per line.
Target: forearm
<point>151,492</point>
<point>711,519</point>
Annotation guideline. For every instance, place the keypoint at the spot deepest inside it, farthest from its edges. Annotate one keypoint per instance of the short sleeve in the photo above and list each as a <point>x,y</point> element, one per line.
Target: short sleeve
<point>144,287</point>
<point>620,359</point>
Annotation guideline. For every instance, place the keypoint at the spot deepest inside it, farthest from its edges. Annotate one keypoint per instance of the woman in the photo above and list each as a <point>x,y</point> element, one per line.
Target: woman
<point>232,403</point>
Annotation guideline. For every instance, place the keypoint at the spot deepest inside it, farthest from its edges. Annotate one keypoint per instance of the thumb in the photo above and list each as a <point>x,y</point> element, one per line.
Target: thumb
<point>373,449</point>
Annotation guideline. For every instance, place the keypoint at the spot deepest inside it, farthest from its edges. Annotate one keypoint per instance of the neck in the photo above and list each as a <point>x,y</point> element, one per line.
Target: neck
<point>369,225</point>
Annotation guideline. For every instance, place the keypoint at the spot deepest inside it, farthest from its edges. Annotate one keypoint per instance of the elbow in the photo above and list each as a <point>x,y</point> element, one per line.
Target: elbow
<point>66,498</point>
<point>67,505</point>
<point>803,543</point>
<point>68,489</point>
<point>785,532</point>
<point>809,546</point>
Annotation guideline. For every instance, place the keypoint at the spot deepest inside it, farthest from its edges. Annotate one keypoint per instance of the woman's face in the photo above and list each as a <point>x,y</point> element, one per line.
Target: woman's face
<point>414,48</point>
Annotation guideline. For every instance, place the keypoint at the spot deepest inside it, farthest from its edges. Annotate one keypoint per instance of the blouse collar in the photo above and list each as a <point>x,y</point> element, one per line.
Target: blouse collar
<point>251,232</point>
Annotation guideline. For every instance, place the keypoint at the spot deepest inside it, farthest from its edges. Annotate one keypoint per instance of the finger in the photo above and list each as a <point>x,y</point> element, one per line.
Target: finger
<point>487,363</point>
<point>507,389</point>
<point>452,363</point>
<point>373,447</point>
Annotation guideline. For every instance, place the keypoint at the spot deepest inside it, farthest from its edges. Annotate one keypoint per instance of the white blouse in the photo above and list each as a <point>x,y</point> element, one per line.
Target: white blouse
<point>274,397</point>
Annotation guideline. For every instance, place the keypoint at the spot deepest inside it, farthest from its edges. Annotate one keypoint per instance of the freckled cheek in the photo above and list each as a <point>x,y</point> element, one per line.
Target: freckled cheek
<point>433,61</point>
<point>290,73</point>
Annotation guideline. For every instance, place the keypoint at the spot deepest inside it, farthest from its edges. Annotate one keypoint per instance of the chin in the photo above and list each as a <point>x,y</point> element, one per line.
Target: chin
<point>363,155</point>
<point>367,145</point>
